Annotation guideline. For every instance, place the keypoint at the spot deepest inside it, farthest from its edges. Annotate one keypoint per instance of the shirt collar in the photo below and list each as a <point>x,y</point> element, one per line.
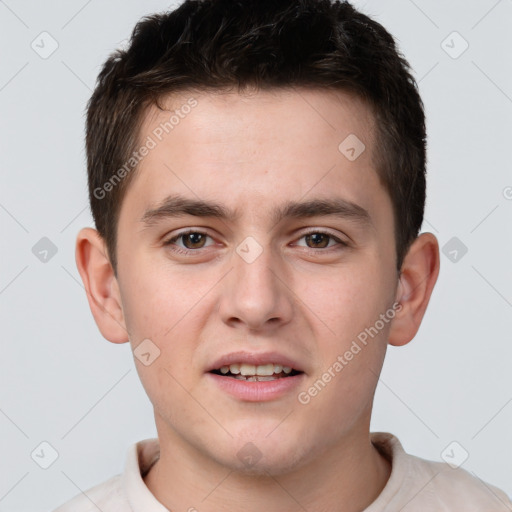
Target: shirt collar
<point>141,456</point>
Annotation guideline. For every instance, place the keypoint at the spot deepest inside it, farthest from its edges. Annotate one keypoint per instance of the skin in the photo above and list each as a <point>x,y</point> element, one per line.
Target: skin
<point>307,298</point>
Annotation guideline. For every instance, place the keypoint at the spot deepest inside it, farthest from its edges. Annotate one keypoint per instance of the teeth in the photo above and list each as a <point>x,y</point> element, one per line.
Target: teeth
<point>255,378</point>
<point>265,369</point>
<point>249,370</point>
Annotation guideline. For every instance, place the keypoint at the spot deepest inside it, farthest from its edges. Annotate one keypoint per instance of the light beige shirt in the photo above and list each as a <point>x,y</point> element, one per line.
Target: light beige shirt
<point>415,485</point>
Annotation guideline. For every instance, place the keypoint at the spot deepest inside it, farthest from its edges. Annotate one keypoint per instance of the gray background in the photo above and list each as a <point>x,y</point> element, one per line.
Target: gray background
<point>63,384</point>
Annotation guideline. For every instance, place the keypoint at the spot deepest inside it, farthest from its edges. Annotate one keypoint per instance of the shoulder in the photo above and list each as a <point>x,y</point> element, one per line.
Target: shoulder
<point>117,493</point>
<point>419,484</point>
<point>457,489</point>
<point>107,497</point>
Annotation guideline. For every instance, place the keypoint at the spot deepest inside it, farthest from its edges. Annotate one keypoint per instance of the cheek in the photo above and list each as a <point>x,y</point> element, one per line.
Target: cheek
<point>161,305</point>
<point>146,305</point>
<point>345,302</point>
<point>351,339</point>
<point>161,310</point>
<point>158,301</point>
<point>344,382</point>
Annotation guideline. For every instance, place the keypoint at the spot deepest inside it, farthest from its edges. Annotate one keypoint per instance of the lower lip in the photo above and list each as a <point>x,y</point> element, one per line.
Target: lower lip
<point>255,391</point>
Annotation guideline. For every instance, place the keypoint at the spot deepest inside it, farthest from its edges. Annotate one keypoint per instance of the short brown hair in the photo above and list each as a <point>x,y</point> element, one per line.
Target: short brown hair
<point>207,45</point>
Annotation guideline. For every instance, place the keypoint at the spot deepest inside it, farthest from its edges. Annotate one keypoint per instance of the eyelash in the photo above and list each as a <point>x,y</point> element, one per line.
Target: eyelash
<point>179,250</point>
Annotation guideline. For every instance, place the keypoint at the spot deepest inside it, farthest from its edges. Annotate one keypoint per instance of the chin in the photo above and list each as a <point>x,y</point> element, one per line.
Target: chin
<point>264,456</point>
<point>278,464</point>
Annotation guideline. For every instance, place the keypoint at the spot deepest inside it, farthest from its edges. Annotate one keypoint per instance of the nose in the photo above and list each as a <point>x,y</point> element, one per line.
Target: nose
<point>255,294</point>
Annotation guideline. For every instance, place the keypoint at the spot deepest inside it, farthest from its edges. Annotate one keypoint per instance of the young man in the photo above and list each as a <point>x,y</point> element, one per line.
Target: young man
<point>257,180</point>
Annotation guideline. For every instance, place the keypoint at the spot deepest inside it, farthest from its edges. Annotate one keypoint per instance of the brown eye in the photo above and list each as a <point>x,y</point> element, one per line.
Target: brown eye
<point>193,240</point>
<point>188,242</point>
<point>319,240</point>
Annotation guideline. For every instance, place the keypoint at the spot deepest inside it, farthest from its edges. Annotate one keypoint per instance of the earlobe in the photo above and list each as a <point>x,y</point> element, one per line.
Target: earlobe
<point>418,276</point>
<point>100,285</point>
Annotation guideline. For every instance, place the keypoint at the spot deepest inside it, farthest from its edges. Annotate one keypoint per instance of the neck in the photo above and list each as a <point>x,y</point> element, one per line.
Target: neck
<point>352,473</point>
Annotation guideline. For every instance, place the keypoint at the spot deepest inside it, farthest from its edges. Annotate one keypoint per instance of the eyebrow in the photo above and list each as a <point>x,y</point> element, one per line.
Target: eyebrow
<point>178,206</point>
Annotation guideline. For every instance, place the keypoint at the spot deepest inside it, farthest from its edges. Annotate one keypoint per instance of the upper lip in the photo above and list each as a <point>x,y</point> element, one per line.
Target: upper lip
<point>255,358</point>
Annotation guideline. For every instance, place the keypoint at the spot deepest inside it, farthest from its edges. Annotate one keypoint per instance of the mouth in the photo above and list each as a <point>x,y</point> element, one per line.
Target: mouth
<point>256,376</point>
<point>256,373</point>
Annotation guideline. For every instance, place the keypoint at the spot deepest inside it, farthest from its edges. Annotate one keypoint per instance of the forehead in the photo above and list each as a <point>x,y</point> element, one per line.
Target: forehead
<point>218,114</point>
<point>263,145</point>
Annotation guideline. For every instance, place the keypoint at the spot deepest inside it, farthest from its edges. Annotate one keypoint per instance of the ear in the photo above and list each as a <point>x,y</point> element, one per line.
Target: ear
<point>417,279</point>
<point>100,285</point>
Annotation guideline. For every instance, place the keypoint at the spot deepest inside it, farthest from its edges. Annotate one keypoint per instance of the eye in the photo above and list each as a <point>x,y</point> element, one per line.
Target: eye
<point>190,240</point>
<point>320,240</point>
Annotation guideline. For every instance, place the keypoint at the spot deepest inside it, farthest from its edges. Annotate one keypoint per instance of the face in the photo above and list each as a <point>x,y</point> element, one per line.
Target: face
<point>251,242</point>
